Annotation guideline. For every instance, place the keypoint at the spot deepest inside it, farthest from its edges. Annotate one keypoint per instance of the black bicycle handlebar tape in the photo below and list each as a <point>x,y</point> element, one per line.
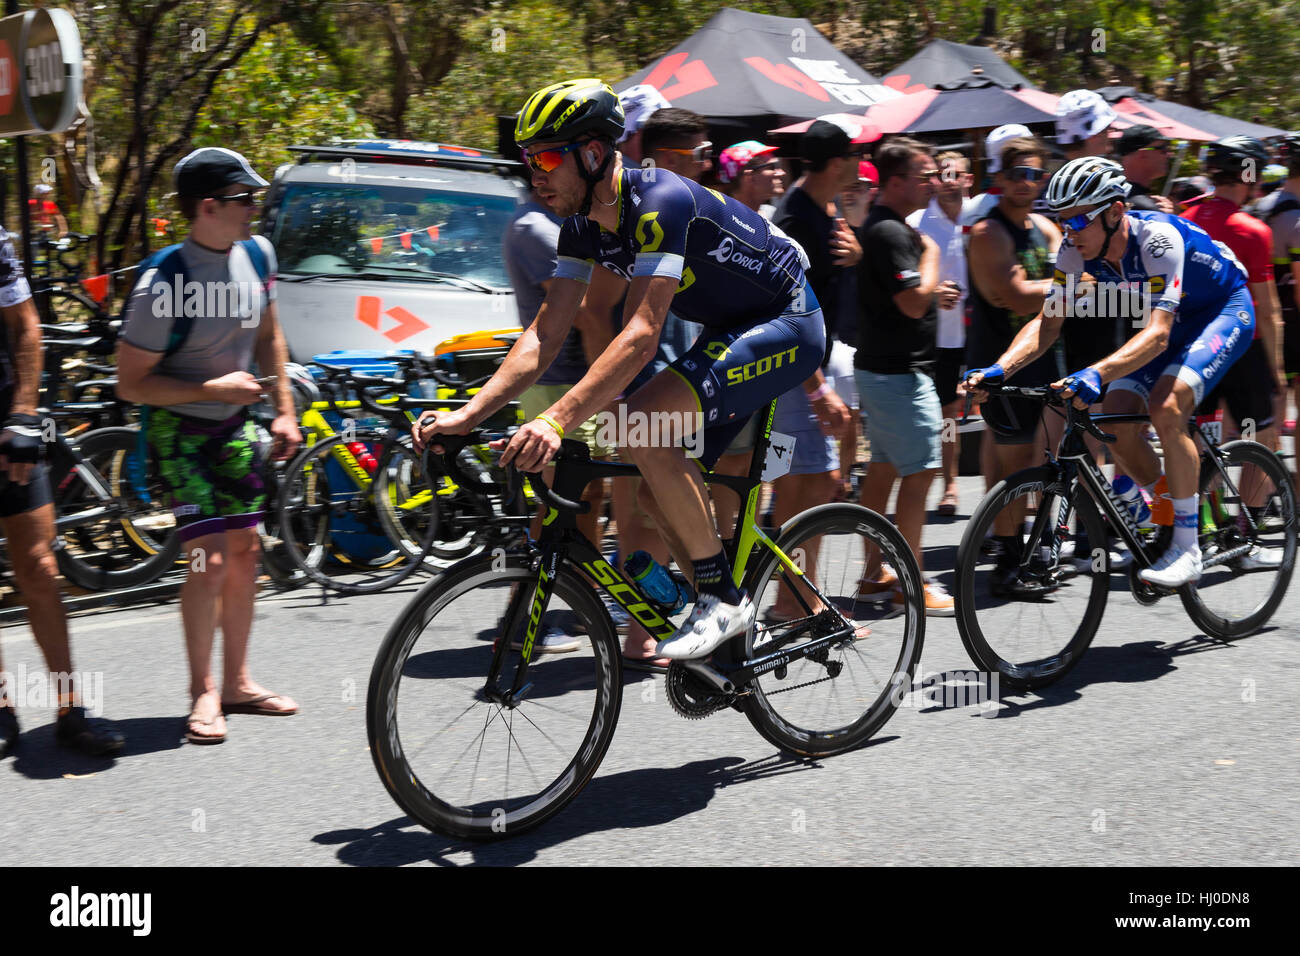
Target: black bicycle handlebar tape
<point>551,499</point>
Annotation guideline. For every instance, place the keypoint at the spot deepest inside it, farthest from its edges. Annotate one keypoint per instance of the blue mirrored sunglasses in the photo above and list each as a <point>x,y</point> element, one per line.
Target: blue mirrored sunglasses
<point>1080,222</point>
<point>1029,173</point>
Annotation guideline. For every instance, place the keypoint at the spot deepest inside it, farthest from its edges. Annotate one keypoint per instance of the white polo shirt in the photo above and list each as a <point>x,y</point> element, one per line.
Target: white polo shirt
<point>947,235</point>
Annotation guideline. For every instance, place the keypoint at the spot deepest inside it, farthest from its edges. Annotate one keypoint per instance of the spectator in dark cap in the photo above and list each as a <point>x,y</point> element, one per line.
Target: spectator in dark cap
<point>832,151</point>
<point>1144,153</point>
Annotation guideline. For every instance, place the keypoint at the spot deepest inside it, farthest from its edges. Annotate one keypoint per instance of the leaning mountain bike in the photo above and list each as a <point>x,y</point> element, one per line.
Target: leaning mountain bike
<point>1034,631</point>
<point>477,735</point>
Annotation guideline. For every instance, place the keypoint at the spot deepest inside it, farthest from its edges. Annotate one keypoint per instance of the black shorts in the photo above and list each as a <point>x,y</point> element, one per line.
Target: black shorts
<point>949,364</point>
<point>1247,389</point>
<point>1291,343</point>
<point>16,499</point>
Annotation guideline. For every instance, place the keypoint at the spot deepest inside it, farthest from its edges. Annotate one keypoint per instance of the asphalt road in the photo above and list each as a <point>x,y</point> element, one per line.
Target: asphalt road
<point>1162,747</point>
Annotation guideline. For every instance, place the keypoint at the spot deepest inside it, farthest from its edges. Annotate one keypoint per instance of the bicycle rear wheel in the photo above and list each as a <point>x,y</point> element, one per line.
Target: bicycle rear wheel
<point>1248,541</point>
<point>836,700</point>
<point>329,518</point>
<point>124,550</point>
<point>455,761</point>
<point>1030,640</point>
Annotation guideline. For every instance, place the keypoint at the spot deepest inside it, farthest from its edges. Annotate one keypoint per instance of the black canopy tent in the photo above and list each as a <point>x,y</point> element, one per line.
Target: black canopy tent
<point>1214,123</point>
<point>942,62</point>
<point>748,73</point>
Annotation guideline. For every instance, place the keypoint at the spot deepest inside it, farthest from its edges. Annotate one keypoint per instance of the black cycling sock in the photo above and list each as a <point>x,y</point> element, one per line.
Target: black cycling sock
<point>713,576</point>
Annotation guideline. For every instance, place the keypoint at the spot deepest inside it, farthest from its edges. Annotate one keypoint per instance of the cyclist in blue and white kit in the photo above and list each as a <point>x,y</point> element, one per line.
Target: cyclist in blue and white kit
<point>678,244</point>
<point>1198,322</point>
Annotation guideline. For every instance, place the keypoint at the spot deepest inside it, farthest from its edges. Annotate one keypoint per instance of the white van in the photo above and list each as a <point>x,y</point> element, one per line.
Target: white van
<point>388,244</point>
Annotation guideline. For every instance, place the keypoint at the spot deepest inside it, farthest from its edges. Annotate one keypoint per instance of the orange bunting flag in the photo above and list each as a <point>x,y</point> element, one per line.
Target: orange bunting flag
<point>406,240</point>
<point>160,226</point>
<point>433,233</point>
<point>377,244</point>
<point>96,287</point>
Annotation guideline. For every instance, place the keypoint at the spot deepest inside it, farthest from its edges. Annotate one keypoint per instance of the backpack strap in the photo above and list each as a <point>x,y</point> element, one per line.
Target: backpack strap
<point>1286,205</point>
<point>258,257</point>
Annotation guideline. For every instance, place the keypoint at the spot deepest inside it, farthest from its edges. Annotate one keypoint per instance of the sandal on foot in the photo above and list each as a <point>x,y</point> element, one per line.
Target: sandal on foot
<point>255,705</point>
<point>195,722</point>
<point>948,505</point>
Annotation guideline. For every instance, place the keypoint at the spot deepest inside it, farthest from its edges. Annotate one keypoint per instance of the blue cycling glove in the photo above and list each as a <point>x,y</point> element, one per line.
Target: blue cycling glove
<point>1085,385</point>
<point>993,375</point>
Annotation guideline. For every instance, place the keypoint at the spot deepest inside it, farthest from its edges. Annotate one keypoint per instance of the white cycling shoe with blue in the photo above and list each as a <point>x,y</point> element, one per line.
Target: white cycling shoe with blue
<point>711,623</point>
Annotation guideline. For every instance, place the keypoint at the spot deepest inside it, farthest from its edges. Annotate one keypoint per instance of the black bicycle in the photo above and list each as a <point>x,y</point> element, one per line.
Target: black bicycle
<point>475,734</point>
<point>1030,613</point>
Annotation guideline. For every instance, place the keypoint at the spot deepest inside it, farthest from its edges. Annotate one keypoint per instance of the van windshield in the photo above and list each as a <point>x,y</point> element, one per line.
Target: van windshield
<point>338,229</point>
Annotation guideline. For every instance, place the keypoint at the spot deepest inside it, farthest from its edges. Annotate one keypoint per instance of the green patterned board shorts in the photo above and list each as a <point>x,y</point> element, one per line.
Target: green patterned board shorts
<point>212,471</point>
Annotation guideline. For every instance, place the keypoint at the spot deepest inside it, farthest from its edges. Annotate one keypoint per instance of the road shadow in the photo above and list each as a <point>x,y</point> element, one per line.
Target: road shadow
<point>1133,663</point>
<point>631,800</point>
<point>39,757</point>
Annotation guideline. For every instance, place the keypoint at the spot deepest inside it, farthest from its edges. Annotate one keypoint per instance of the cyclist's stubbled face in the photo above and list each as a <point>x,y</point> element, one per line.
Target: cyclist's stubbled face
<point>562,189</point>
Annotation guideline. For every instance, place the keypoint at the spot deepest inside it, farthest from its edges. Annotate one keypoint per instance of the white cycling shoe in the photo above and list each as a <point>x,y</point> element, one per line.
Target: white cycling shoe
<point>711,623</point>
<point>1261,559</point>
<point>1175,568</point>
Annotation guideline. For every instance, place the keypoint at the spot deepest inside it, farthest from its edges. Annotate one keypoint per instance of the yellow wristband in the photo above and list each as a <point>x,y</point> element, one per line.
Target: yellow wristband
<point>553,423</point>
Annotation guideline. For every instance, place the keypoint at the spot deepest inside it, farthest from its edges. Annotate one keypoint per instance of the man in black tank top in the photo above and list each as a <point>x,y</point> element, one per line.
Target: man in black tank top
<point>1010,264</point>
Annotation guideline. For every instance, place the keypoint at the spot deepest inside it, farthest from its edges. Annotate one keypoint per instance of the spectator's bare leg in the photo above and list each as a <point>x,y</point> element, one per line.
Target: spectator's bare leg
<point>876,488</point>
<point>910,516</point>
<point>200,605</point>
<point>239,592</point>
<point>35,574</point>
<point>794,494</point>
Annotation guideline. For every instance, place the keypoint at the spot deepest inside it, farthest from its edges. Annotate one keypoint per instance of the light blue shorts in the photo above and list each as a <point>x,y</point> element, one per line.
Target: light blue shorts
<point>814,450</point>
<point>902,419</point>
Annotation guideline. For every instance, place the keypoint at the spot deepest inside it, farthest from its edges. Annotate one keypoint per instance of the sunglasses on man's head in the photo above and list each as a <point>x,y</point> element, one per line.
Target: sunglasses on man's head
<point>246,199</point>
<point>1081,221</point>
<point>549,160</point>
<point>698,153</point>
<point>1030,174</point>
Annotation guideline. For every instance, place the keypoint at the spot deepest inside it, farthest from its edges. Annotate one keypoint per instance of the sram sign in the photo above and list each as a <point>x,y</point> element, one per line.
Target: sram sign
<point>40,72</point>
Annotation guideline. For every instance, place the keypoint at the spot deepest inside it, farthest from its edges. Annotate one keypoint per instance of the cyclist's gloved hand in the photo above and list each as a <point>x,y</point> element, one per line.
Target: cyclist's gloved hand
<point>993,375</point>
<point>20,440</point>
<point>1085,384</point>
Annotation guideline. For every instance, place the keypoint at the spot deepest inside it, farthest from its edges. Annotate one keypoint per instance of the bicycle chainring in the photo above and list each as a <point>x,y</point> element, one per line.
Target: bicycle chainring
<point>691,697</point>
<point>1145,594</point>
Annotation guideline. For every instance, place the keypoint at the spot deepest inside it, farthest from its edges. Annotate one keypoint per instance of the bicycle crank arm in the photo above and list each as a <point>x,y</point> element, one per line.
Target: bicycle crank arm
<point>714,678</point>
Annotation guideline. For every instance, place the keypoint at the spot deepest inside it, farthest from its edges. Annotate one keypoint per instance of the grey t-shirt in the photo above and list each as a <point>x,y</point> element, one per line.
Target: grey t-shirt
<point>528,248</point>
<point>223,292</point>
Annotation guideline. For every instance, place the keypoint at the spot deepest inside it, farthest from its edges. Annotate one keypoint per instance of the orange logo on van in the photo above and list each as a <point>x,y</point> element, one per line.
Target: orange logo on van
<point>408,324</point>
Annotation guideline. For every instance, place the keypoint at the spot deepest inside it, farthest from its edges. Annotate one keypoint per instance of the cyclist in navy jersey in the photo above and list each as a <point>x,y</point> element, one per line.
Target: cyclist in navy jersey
<point>1195,318</point>
<point>679,245</point>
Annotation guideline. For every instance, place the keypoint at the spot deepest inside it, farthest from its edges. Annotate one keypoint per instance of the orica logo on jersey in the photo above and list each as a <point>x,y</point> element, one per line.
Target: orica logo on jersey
<point>726,253</point>
<point>1244,317</point>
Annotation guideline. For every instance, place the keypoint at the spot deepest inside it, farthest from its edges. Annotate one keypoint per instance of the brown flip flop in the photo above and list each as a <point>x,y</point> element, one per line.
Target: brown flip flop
<point>192,722</point>
<point>250,706</point>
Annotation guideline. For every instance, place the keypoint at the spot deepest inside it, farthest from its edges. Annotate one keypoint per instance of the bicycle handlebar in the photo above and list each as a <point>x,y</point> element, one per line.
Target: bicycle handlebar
<point>1048,396</point>
<point>453,445</point>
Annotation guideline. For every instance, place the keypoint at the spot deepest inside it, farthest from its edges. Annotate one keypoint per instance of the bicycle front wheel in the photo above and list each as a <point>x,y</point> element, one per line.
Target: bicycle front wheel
<point>1021,615</point>
<point>455,760</point>
<point>1247,538</point>
<point>839,697</point>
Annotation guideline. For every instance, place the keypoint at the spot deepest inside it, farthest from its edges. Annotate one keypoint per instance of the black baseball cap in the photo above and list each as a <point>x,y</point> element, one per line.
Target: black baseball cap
<point>205,172</point>
<point>827,139</point>
<point>1138,137</point>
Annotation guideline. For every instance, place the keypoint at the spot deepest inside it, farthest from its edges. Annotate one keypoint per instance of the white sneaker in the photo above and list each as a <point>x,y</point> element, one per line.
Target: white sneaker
<point>1175,568</point>
<point>710,624</point>
<point>1261,559</point>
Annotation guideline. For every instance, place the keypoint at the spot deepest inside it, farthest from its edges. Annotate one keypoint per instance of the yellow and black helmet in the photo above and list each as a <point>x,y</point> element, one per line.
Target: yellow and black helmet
<point>568,111</point>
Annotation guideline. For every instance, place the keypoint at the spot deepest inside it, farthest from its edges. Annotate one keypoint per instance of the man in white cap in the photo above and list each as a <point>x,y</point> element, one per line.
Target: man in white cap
<point>1082,119</point>
<point>638,103</point>
<point>978,207</point>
